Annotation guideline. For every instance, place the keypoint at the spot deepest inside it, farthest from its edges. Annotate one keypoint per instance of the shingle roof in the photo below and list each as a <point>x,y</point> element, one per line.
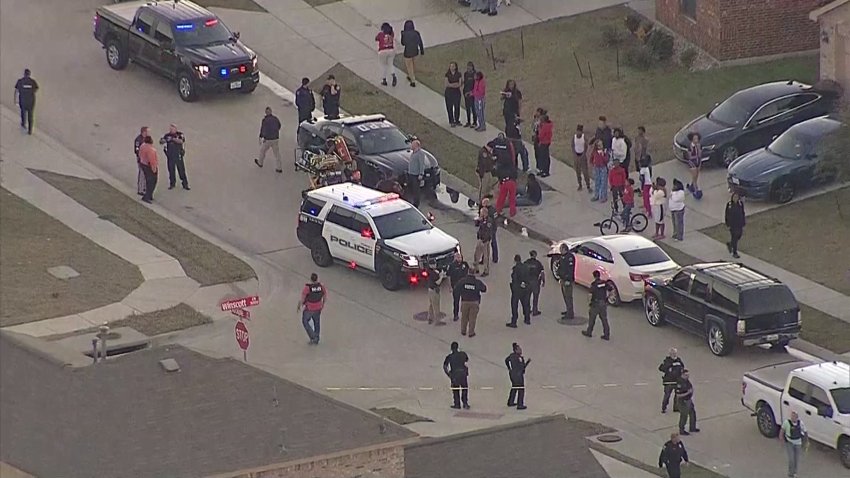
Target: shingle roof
<point>128,417</point>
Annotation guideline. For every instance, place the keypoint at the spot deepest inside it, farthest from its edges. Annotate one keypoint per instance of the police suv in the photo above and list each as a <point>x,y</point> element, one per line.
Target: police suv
<point>374,231</point>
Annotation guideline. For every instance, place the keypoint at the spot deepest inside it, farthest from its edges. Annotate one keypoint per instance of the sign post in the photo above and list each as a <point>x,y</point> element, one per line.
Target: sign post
<point>242,339</point>
<point>238,307</point>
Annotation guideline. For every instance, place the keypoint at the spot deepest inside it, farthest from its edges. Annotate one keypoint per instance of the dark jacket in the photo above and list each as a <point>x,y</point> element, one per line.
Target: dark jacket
<point>270,129</point>
<point>567,267</point>
<point>516,365</point>
<point>672,455</point>
<point>304,99</point>
<point>520,277</point>
<point>672,369</point>
<point>606,135</point>
<point>735,217</point>
<point>485,230</point>
<point>485,162</point>
<point>411,40</point>
<point>534,192</point>
<point>457,271</point>
<point>535,269</point>
<point>455,364</point>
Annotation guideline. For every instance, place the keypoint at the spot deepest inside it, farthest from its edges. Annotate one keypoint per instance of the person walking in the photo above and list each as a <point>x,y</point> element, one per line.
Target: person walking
<point>458,372</point>
<point>537,276</point>
<point>468,100</point>
<point>411,40</point>
<point>435,281</point>
<point>599,160</point>
<point>269,139</point>
<point>150,167</point>
<point>517,364</point>
<point>641,147</point>
<point>694,157</point>
<point>484,236</point>
<point>685,397</point>
<point>545,135</point>
<point>330,98</point>
<point>479,94</point>
<point>671,367</point>
<point>305,101</point>
<point>579,146</point>
<point>598,306</point>
<point>486,163</point>
<point>453,94</point>
<point>25,89</point>
<point>415,172</point>
<point>470,289</point>
<point>520,290</point>
<point>173,145</point>
<point>735,219</point>
<point>658,203</point>
<point>386,52</point>
<point>506,171</point>
<point>511,103</point>
<point>566,277</point>
<point>314,296</point>
<point>457,270</point>
<point>795,437</point>
<point>677,210</point>
<point>673,455</point>
<point>137,144</point>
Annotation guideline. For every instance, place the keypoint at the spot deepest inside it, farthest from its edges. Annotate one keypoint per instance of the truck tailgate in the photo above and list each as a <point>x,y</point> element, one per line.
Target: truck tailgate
<point>775,376</point>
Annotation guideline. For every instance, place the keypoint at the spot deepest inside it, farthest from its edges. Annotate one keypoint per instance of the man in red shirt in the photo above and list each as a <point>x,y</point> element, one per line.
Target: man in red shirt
<point>617,180</point>
<point>150,167</point>
<point>313,298</point>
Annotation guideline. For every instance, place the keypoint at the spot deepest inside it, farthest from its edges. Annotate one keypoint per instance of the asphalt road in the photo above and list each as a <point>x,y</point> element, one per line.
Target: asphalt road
<point>370,338</point>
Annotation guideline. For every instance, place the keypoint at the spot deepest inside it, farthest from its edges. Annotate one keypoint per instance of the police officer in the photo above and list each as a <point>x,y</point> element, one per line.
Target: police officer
<point>455,367</point>
<point>685,397</point>
<point>313,299</point>
<point>470,289</point>
<point>144,132</point>
<point>25,89</point>
<point>598,306</point>
<point>672,368</point>
<point>520,290</point>
<point>494,227</point>
<point>517,364</point>
<point>566,277</point>
<point>435,280</point>
<point>457,270</point>
<point>174,153</point>
<point>305,101</point>
<point>672,455</point>
<point>538,280</point>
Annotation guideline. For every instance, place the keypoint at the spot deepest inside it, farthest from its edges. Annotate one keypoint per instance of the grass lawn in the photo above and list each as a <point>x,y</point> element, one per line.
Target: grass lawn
<point>247,5</point>
<point>663,99</point>
<point>205,262</point>
<point>179,317</point>
<point>32,242</point>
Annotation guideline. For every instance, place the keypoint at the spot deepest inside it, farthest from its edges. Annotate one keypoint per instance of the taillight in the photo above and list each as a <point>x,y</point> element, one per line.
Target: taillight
<point>638,277</point>
<point>414,279</point>
<point>95,19</point>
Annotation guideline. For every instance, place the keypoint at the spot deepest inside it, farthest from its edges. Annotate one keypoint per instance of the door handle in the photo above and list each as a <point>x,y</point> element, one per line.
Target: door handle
<point>785,402</point>
<point>808,413</point>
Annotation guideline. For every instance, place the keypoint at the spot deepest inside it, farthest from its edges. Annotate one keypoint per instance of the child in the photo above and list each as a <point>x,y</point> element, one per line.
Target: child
<point>617,180</point>
<point>628,204</point>
<point>645,183</point>
<point>579,144</point>
<point>658,201</point>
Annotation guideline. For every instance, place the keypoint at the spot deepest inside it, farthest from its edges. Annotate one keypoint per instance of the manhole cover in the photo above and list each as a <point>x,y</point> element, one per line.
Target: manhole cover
<point>609,438</point>
<point>574,321</point>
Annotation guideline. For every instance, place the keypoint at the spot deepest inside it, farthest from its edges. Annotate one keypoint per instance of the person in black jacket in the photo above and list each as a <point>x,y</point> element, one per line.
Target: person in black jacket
<point>468,100</point>
<point>411,40</point>
<point>330,98</point>
<point>173,142</point>
<point>566,277</point>
<point>517,364</point>
<point>672,368</point>
<point>520,290</point>
<point>457,270</point>
<point>25,89</point>
<point>672,455</point>
<point>305,101</point>
<point>455,367</point>
<point>269,138</point>
<point>735,219</point>
<point>538,280</point>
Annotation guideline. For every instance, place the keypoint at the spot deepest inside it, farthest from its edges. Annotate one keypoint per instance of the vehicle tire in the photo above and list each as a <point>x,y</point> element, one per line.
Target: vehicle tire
<point>766,421</point>
<point>638,222</point>
<point>653,310</point>
<point>116,54</point>
<point>186,87</point>
<point>553,266</point>
<point>783,191</point>
<point>728,153</point>
<point>321,254</point>
<point>613,296</point>
<point>390,278</point>
<point>718,339</point>
<point>844,450</point>
<point>608,226</point>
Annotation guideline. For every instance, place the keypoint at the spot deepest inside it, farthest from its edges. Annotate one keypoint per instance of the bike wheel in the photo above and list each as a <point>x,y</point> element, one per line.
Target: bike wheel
<point>639,222</point>
<point>609,226</point>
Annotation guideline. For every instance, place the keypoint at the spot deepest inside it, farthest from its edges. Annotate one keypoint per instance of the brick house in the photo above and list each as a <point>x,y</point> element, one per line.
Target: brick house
<point>738,29</point>
<point>834,21</point>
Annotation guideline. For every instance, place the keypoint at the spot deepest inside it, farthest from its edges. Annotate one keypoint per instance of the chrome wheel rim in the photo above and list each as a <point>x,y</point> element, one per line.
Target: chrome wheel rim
<point>185,87</point>
<point>715,339</point>
<point>613,296</point>
<point>112,54</point>
<point>652,310</point>
<point>764,421</point>
<point>730,154</point>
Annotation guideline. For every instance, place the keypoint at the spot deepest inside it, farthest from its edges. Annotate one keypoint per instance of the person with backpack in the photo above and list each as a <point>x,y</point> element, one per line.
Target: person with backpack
<point>520,291</point>
<point>795,437</point>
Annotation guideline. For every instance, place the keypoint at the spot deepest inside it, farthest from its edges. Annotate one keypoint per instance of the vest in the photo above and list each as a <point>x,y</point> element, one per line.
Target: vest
<point>316,293</point>
<point>796,431</point>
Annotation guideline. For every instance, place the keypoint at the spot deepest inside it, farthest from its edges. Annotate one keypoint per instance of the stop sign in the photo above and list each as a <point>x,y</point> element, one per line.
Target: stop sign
<point>242,335</point>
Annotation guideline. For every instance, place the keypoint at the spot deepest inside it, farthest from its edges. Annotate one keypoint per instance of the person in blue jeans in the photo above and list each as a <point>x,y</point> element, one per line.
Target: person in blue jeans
<point>599,161</point>
<point>313,298</point>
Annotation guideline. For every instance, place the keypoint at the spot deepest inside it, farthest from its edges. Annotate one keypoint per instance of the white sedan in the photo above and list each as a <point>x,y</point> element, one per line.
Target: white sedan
<point>624,260</point>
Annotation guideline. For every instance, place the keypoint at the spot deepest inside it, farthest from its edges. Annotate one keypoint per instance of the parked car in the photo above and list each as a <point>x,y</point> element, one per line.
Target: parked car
<point>751,118</point>
<point>790,163</point>
<point>727,303</point>
<point>818,392</point>
<point>624,260</point>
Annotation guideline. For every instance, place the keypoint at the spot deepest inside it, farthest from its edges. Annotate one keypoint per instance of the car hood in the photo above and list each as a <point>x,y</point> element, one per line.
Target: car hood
<point>397,161</point>
<point>709,130</point>
<point>555,247</point>
<point>231,52</point>
<point>420,243</point>
<point>759,165</point>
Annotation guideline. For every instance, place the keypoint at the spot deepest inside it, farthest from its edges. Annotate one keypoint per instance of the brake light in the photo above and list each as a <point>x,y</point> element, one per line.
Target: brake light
<point>243,68</point>
<point>638,277</point>
<point>414,279</point>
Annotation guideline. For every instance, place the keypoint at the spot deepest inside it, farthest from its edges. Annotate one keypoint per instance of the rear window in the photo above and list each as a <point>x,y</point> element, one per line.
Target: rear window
<point>312,206</point>
<point>645,257</point>
<point>767,300</point>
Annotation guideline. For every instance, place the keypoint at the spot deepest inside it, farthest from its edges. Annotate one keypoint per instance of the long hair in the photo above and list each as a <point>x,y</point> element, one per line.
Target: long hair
<point>387,28</point>
<point>508,86</point>
<point>450,67</point>
<point>408,25</point>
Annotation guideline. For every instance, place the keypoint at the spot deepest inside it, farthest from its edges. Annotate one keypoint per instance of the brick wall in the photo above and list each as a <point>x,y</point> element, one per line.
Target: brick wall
<point>704,31</point>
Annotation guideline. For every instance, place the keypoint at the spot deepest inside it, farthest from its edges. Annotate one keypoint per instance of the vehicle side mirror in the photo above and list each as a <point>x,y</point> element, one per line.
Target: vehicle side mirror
<point>774,137</point>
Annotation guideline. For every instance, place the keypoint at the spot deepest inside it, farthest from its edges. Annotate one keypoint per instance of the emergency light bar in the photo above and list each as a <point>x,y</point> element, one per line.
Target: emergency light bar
<point>385,198</point>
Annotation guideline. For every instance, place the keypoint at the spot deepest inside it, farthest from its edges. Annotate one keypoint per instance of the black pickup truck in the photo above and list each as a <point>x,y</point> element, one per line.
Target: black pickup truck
<point>179,40</point>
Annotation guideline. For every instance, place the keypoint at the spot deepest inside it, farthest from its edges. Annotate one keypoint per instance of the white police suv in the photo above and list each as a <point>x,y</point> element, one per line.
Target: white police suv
<point>370,230</point>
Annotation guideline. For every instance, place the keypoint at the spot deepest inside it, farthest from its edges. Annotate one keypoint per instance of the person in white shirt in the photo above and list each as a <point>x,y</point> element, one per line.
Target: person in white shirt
<point>677,210</point>
<point>619,148</point>
<point>658,203</point>
<point>579,144</point>
<point>645,176</point>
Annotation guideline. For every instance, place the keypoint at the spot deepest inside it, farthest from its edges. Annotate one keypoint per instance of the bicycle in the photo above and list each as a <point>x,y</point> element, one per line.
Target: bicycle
<point>637,222</point>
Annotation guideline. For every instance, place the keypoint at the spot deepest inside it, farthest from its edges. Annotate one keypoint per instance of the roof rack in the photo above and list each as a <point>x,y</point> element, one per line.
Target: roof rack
<point>725,266</point>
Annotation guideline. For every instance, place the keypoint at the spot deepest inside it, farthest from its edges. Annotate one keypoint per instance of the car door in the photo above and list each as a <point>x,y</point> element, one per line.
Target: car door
<point>819,422</point>
<point>695,305</point>
<point>806,106</point>
<point>591,257</point>
<point>367,238</point>
<point>797,400</point>
<point>141,37</point>
<point>675,298</point>
<point>164,58</point>
<point>350,237</point>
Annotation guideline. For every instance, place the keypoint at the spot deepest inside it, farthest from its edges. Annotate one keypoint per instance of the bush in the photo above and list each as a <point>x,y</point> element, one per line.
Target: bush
<point>639,57</point>
<point>660,43</point>
<point>613,35</point>
<point>632,22</point>
<point>687,57</point>
<point>644,30</point>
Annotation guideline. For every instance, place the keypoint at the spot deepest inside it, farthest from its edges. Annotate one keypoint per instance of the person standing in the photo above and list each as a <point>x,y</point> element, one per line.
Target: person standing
<point>506,171</point>
<point>511,103</point>
<point>685,397</point>
<point>677,210</point>
<point>673,454</point>
<point>520,290</point>
<point>535,130</point>
<point>795,437</point>
<point>579,145</point>
<point>435,280</point>
<point>452,94</point>
<point>628,204</point>
<point>694,157</point>
<point>314,296</point>
<point>25,89</point>
<point>517,365</point>
<point>175,152</point>
<point>598,306</point>
<point>617,180</point>
<point>492,6</point>
<point>619,148</point>
<point>269,139</point>
<point>305,101</point>
<point>641,147</point>
<point>486,162</point>
<point>515,137</point>
<point>645,178</point>
<point>137,144</point>
<point>484,236</point>
<point>735,220</point>
<point>479,94</point>
<point>330,98</point>
<point>150,167</point>
<point>386,52</point>
<point>415,172</point>
<point>458,372</point>
<point>470,288</point>
<point>658,203</point>
<point>545,135</point>
<point>487,202</point>
<point>566,277</point>
<point>468,100</point>
<point>604,133</point>
<point>537,275</point>
<point>599,160</point>
<point>457,270</point>
<point>411,40</point>
<point>671,367</point>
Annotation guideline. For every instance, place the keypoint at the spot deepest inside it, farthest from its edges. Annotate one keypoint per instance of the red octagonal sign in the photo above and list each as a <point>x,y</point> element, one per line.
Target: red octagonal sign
<point>242,335</point>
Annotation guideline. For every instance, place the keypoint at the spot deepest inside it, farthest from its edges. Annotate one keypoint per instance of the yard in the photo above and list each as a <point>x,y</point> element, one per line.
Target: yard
<point>663,98</point>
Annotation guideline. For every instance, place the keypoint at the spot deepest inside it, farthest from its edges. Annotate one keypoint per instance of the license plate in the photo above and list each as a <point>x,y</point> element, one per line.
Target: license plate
<point>772,338</point>
<point>736,181</point>
<point>235,85</point>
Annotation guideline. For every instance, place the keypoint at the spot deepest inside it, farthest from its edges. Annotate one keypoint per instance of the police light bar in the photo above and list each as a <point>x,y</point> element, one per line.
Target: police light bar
<point>211,23</point>
<point>185,26</point>
<point>385,198</point>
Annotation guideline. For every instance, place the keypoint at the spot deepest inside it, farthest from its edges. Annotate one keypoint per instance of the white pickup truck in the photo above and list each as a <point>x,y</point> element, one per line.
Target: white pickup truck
<point>818,392</point>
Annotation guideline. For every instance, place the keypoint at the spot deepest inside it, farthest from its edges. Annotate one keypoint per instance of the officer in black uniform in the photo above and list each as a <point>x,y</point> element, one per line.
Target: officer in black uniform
<point>305,101</point>
<point>673,453</point>
<point>672,368</point>
<point>598,306</point>
<point>455,367</point>
<point>517,364</point>
<point>685,397</point>
<point>520,290</point>
<point>566,277</point>
<point>457,270</point>
<point>538,280</point>
<point>25,89</point>
<point>494,227</point>
<point>174,140</point>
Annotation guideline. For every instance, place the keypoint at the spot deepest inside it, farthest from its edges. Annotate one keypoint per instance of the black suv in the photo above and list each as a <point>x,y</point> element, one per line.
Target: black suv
<point>725,302</point>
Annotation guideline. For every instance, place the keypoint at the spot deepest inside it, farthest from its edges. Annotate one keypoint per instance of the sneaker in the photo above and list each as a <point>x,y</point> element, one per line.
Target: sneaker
<point>586,333</point>
<point>536,313</point>
<point>729,247</point>
<point>149,201</point>
<point>463,332</point>
<point>683,432</point>
<point>694,430</point>
<point>511,404</point>
<point>384,82</point>
<point>735,255</point>
<point>511,325</point>
<point>278,170</point>
<point>467,125</point>
<point>472,335</point>
<point>527,322</point>
<point>171,186</point>
<point>395,80</point>
<point>455,318</point>
<point>452,125</point>
<point>413,84</point>
<point>456,407</point>
<point>663,410</point>
<point>521,407</point>
<point>493,14</point>
<point>258,163</point>
<point>579,188</point>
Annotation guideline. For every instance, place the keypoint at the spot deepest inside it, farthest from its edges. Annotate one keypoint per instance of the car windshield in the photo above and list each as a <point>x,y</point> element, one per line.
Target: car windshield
<point>730,113</point>
<point>379,138</point>
<point>842,399</point>
<point>645,257</point>
<point>201,32</point>
<point>792,145</point>
<point>767,300</point>
<point>401,223</point>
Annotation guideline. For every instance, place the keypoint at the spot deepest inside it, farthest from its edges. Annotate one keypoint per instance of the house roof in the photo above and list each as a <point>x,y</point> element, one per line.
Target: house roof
<point>549,446</point>
<point>128,417</point>
<point>815,15</point>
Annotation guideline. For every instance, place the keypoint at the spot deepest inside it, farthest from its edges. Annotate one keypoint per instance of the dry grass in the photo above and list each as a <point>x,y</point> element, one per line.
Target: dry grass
<point>207,263</point>
<point>247,5</point>
<point>33,242</point>
<point>179,317</point>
